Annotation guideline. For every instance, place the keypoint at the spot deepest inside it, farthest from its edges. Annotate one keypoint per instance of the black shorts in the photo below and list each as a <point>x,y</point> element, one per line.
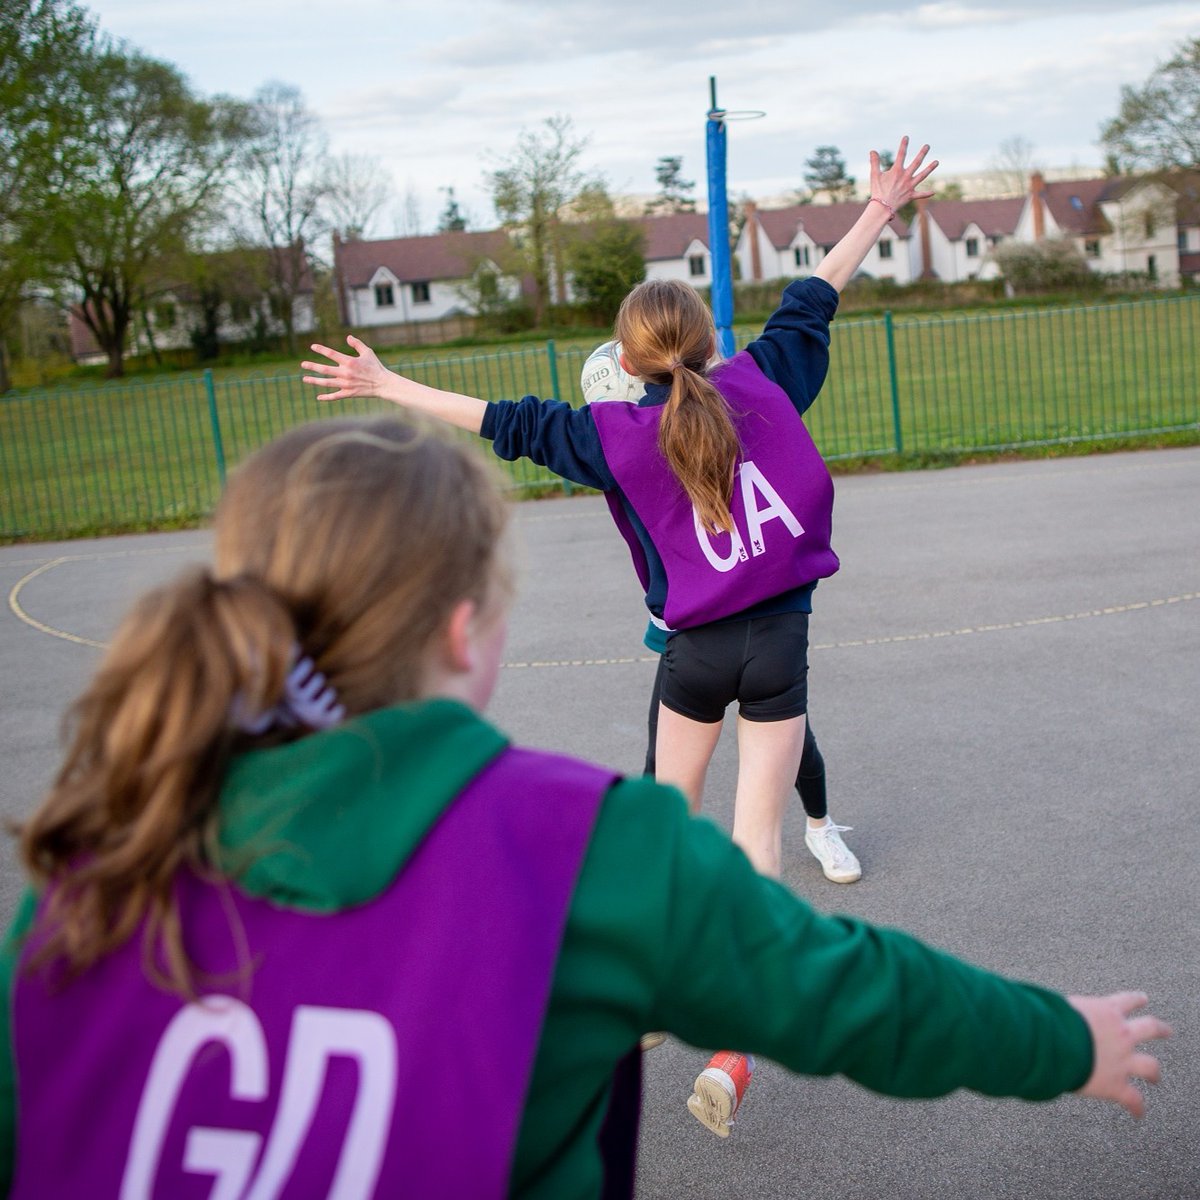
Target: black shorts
<point>761,662</point>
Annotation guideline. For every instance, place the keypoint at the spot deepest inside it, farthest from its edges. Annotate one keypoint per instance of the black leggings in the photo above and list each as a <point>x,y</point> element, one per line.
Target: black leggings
<point>810,779</point>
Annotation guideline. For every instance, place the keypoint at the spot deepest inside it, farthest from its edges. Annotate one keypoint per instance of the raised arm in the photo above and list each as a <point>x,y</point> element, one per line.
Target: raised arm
<point>362,374</point>
<point>890,191</point>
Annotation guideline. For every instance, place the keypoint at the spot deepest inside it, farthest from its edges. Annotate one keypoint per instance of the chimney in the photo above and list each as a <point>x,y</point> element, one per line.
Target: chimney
<point>926,247</point>
<point>752,228</point>
<point>339,281</point>
<point>1037,188</point>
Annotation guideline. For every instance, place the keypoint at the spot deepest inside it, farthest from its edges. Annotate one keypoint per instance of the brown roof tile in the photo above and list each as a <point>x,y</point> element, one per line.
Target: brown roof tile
<point>995,218</point>
<point>825,224</point>
<point>1186,185</point>
<point>1075,203</point>
<point>669,236</point>
<point>412,259</point>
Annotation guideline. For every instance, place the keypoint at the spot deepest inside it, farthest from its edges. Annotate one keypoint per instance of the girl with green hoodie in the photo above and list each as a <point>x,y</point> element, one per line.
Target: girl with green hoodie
<point>286,856</point>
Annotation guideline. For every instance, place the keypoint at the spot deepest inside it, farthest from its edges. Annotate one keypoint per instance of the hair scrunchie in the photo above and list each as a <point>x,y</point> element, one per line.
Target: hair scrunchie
<point>308,699</point>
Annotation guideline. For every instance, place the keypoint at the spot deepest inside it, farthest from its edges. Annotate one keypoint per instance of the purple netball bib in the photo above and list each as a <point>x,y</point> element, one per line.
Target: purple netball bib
<point>381,1051</point>
<point>782,503</point>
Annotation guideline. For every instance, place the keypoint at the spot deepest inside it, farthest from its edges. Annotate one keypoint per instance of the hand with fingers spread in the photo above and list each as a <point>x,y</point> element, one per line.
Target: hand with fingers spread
<point>358,374</point>
<point>896,186</point>
<point>1116,1035</point>
<point>890,191</point>
<point>362,374</point>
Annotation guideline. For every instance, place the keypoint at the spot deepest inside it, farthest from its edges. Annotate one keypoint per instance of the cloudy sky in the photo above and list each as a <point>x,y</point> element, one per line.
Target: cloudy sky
<point>438,90</point>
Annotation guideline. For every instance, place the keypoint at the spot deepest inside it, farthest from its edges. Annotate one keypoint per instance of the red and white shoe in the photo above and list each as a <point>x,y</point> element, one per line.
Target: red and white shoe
<point>719,1090</point>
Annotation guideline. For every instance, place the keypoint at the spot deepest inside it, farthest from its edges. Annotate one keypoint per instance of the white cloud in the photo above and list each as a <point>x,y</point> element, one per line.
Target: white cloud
<point>441,91</point>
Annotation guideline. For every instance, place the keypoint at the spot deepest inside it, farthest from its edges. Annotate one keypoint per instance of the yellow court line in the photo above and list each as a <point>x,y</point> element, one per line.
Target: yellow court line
<point>14,601</point>
<point>998,627</point>
<point>14,604</point>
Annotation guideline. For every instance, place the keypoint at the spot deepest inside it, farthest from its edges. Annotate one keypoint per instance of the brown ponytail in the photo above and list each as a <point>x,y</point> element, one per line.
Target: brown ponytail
<point>353,539</point>
<point>148,743</point>
<point>667,336</point>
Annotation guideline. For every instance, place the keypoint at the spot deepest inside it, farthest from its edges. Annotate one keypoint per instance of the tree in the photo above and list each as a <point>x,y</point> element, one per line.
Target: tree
<point>133,171</point>
<point>674,191</point>
<point>827,173</point>
<point>283,183</point>
<point>407,217</point>
<point>219,283</point>
<point>41,44</point>
<point>1013,162</point>
<point>538,179</point>
<point>356,187</point>
<point>605,255</point>
<point>453,219</point>
<point>1158,125</point>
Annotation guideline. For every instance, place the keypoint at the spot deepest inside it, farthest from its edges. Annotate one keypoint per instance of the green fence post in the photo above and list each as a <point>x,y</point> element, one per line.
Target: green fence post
<point>552,358</point>
<point>215,421</point>
<point>893,380</point>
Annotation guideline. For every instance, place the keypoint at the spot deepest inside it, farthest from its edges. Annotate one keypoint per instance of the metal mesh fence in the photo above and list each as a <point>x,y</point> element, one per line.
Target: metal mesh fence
<point>141,455</point>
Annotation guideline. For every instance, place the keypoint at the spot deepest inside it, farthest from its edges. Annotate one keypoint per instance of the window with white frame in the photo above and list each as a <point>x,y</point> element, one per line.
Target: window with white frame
<point>1181,240</point>
<point>1091,247</point>
<point>885,248</point>
<point>801,255</point>
<point>384,296</point>
<point>972,247</point>
<point>696,264</point>
<point>420,292</point>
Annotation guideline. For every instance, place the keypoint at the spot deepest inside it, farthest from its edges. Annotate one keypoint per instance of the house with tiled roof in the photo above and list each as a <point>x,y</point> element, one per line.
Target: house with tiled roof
<point>230,288</point>
<point>1120,225</point>
<point>951,238</point>
<point>785,243</point>
<point>676,247</point>
<point>397,281</point>
<point>1186,186</point>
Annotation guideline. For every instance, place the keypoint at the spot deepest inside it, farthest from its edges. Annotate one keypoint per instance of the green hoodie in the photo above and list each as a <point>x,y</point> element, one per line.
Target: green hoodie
<point>669,928</point>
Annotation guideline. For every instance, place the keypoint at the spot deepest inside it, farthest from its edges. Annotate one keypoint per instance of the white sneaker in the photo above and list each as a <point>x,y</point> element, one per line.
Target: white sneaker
<point>831,852</point>
<point>652,1041</point>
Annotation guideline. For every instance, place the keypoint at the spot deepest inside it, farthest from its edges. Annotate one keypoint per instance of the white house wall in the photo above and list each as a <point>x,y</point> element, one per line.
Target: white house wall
<point>679,268</point>
<point>445,299</point>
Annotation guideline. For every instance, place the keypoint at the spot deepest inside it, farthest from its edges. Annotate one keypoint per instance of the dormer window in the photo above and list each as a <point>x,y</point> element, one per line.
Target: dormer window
<point>384,296</point>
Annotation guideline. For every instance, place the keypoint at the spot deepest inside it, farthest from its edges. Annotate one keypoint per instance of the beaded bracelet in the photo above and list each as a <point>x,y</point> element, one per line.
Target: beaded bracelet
<point>885,205</point>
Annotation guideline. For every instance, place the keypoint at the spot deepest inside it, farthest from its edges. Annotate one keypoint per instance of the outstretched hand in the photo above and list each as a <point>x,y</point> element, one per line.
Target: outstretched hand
<point>1116,1035</point>
<point>898,184</point>
<point>358,374</point>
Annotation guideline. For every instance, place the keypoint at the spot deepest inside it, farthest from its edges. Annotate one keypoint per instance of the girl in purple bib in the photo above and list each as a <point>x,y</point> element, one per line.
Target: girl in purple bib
<point>726,505</point>
<point>305,925</point>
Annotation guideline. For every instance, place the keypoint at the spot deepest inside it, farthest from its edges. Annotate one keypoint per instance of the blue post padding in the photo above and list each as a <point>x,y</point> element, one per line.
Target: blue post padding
<point>718,237</point>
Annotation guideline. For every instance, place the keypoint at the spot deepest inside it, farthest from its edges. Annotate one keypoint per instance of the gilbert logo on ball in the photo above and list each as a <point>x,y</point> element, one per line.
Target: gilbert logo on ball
<point>603,377</point>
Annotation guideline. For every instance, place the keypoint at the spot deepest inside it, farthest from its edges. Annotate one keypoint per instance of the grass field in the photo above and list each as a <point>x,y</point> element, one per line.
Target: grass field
<point>147,454</point>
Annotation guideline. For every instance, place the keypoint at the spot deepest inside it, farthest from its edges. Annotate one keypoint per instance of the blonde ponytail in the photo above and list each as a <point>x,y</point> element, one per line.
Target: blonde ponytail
<point>667,336</point>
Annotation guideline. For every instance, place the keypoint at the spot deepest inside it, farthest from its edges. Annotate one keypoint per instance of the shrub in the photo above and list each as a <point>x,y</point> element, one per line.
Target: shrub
<point>1053,265</point>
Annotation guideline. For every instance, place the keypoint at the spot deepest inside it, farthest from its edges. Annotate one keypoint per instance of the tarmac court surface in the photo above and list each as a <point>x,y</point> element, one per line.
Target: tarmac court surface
<point>1003,682</point>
